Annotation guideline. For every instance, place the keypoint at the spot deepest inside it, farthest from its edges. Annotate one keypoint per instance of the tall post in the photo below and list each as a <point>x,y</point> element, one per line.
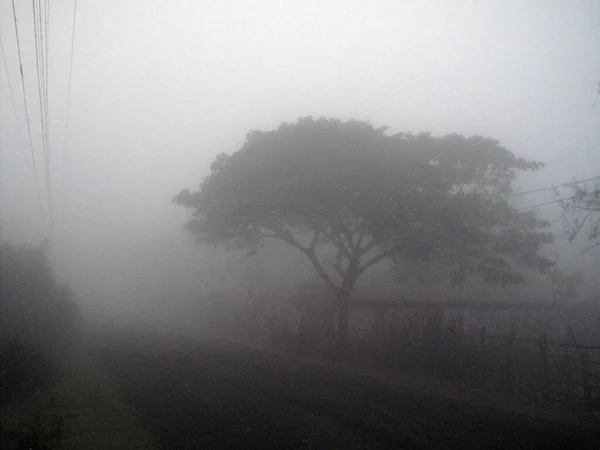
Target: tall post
<point>510,354</point>
<point>544,376</point>
<point>479,369</point>
<point>587,387</point>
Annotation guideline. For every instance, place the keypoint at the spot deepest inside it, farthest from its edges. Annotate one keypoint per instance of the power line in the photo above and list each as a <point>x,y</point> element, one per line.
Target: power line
<point>37,184</point>
<point>12,95</point>
<point>46,32</point>
<point>560,158</point>
<point>40,76</point>
<point>47,53</point>
<point>41,38</point>
<point>546,203</point>
<point>70,77</point>
<point>65,157</point>
<point>570,183</point>
<point>38,30</point>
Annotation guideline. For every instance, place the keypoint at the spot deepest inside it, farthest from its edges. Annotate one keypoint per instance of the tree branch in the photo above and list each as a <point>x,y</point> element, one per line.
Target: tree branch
<point>338,242</point>
<point>338,270</point>
<point>359,239</point>
<point>367,248</point>
<point>320,271</point>
<point>317,228</point>
<point>375,259</point>
<point>574,234</point>
<point>344,231</point>
<point>315,238</point>
<point>282,233</point>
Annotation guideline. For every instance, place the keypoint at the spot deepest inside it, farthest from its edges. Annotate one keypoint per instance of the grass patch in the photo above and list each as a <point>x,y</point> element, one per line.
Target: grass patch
<point>80,410</point>
<point>425,384</point>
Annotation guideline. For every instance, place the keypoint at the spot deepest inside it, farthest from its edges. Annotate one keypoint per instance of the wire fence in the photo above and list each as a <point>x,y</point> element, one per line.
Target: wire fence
<point>548,371</point>
<point>536,370</point>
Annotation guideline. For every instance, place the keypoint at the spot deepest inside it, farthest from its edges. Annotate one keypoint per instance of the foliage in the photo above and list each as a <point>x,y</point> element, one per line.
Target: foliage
<point>25,368</point>
<point>82,410</point>
<point>40,427</point>
<point>36,312</point>
<point>323,186</point>
<point>581,208</point>
<point>565,287</point>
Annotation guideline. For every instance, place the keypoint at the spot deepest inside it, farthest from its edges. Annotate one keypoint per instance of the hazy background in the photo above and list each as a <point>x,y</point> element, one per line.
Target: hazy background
<point>160,87</point>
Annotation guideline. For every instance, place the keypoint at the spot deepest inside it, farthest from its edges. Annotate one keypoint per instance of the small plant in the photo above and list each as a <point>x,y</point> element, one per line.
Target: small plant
<point>37,424</point>
<point>25,368</point>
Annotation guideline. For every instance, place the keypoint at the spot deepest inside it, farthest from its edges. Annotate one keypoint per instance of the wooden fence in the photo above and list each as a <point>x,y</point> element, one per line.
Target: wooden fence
<point>539,370</point>
<point>543,370</point>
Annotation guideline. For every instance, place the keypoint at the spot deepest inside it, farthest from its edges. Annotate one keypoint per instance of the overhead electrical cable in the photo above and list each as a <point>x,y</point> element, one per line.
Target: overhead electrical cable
<point>47,110</point>
<point>70,78</point>
<point>47,31</point>
<point>40,76</point>
<point>47,16</point>
<point>570,183</point>
<point>546,203</point>
<point>560,158</point>
<point>12,94</point>
<point>37,184</point>
<point>40,34</point>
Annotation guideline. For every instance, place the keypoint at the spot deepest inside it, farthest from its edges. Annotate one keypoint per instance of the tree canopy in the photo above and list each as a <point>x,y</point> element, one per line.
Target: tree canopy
<point>367,195</point>
<point>582,209</point>
<point>33,305</point>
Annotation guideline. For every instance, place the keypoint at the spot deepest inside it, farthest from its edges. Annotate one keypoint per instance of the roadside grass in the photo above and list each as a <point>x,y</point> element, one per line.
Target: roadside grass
<point>81,410</point>
<point>425,384</point>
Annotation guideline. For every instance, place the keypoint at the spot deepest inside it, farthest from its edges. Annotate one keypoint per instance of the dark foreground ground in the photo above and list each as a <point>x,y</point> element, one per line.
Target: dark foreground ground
<point>203,395</point>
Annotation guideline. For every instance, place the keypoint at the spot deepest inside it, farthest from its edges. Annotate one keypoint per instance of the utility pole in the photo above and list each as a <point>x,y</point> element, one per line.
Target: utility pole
<point>553,281</point>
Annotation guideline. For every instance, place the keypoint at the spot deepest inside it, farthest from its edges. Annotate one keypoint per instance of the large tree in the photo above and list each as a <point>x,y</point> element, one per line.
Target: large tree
<point>347,189</point>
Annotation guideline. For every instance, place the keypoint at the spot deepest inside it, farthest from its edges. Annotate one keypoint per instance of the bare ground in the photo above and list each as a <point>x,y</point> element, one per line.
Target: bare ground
<point>204,394</point>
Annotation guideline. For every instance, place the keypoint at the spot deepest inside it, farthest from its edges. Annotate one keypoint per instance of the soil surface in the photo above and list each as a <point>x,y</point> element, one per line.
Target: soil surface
<point>193,394</point>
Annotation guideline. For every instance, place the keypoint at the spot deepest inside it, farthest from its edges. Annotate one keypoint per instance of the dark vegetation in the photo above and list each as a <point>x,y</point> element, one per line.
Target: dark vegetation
<point>37,317</point>
<point>358,193</point>
<point>349,197</point>
<point>580,212</point>
<point>218,395</point>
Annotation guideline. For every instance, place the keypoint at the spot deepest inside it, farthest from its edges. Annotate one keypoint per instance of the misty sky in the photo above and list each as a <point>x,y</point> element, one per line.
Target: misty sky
<point>160,87</point>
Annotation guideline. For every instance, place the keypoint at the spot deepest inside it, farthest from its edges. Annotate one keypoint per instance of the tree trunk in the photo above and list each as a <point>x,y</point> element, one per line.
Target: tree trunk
<point>343,316</point>
<point>343,300</point>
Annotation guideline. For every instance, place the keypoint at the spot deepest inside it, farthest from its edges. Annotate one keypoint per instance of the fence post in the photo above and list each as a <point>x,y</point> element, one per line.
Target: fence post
<point>584,356</point>
<point>478,368</point>
<point>587,388</point>
<point>569,375</point>
<point>544,365</point>
<point>510,361</point>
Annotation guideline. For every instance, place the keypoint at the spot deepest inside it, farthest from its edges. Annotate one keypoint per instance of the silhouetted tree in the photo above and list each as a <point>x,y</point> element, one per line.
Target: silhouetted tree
<point>582,209</point>
<point>323,185</point>
<point>36,312</point>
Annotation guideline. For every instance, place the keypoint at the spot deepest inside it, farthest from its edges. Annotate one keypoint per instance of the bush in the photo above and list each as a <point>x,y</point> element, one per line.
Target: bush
<point>25,368</point>
<point>41,429</point>
<point>36,315</point>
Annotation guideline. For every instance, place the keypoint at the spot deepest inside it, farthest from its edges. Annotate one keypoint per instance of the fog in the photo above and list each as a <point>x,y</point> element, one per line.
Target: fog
<point>159,88</point>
